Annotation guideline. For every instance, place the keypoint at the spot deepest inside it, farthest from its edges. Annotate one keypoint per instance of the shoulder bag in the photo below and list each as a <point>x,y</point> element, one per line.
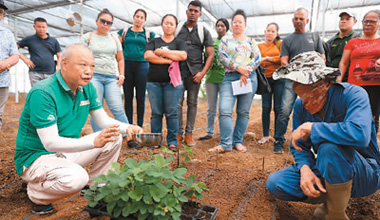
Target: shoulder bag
<point>262,81</point>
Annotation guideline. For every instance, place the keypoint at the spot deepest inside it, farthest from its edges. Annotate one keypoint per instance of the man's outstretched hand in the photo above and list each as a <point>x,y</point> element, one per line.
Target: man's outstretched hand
<point>106,135</point>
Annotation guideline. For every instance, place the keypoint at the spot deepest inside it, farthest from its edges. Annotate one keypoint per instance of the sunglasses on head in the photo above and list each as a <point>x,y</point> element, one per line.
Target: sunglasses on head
<point>105,21</point>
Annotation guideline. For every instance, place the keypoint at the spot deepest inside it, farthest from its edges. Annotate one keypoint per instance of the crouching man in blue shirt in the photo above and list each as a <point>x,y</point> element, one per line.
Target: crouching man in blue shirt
<point>333,142</point>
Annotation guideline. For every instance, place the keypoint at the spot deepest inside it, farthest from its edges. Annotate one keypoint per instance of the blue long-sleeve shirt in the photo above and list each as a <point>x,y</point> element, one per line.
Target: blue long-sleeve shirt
<point>347,121</point>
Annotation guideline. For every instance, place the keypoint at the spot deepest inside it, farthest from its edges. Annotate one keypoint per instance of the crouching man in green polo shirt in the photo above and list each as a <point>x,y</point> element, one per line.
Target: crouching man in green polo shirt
<point>50,154</point>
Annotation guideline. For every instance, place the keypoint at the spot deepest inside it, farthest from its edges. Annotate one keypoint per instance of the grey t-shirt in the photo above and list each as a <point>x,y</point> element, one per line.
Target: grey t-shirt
<point>195,59</point>
<point>297,43</point>
<point>104,49</point>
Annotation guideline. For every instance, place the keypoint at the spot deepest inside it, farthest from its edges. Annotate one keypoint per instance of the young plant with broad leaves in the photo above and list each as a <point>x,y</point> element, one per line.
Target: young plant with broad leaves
<point>145,189</point>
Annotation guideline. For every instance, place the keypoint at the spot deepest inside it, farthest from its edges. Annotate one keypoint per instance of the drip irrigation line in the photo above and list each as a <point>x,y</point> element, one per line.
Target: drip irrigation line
<point>52,207</point>
<point>9,132</point>
<point>7,139</point>
<point>4,187</point>
<point>274,210</point>
<point>275,204</point>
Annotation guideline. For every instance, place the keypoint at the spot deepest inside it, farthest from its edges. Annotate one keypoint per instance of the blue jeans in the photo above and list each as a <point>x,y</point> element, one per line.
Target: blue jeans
<point>288,99</point>
<point>228,136</point>
<point>335,164</point>
<point>277,87</point>
<point>136,74</point>
<point>192,101</point>
<point>164,98</point>
<point>106,88</point>
<point>212,93</point>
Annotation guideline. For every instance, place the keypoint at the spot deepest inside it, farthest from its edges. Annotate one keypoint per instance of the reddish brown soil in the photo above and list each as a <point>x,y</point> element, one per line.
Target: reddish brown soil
<point>236,180</point>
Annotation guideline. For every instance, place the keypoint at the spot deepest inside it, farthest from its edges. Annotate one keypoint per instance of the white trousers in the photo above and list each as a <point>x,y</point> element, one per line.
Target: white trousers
<point>51,177</point>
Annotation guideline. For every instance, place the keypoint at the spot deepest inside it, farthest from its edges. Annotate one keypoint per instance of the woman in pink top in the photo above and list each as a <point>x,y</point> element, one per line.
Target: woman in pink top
<point>363,53</point>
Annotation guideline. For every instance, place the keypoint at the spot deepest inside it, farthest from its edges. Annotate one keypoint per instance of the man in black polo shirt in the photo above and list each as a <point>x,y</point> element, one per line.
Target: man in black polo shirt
<point>337,43</point>
<point>42,49</point>
<point>194,68</point>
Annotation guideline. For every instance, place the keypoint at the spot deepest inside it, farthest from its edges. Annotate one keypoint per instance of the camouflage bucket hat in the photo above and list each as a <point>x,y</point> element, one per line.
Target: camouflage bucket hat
<point>306,68</point>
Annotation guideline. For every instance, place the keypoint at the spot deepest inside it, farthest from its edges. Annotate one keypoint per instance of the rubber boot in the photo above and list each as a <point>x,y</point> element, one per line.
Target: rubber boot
<point>337,199</point>
<point>321,211</point>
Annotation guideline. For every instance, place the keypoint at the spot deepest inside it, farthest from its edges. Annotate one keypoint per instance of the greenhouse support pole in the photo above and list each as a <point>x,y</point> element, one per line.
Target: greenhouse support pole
<point>81,14</point>
<point>177,9</point>
<point>16,69</point>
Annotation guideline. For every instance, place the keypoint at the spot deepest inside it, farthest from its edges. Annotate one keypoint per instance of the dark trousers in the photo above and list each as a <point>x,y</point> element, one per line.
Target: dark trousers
<point>374,99</point>
<point>135,77</point>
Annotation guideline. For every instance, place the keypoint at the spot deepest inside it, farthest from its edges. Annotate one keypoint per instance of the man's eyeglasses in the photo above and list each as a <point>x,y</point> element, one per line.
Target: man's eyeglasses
<point>371,22</point>
<point>105,22</point>
<point>2,11</point>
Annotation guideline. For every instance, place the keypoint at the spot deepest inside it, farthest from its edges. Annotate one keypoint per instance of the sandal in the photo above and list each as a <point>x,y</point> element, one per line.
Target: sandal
<point>218,149</point>
<point>241,148</point>
<point>173,148</point>
<point>264,140</point>
<point>154,147</point>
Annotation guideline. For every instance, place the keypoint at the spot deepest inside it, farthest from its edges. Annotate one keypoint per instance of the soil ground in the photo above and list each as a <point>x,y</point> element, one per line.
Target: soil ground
<point>236,180</point>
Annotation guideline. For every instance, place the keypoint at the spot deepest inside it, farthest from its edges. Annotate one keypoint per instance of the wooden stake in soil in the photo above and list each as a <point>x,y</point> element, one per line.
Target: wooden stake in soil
<point>216,164</point>
<point>177,158</point>
<point>263,165</point>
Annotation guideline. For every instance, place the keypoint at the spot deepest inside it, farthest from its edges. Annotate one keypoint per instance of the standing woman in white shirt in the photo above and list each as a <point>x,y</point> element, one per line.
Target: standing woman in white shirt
<point>108,77</point>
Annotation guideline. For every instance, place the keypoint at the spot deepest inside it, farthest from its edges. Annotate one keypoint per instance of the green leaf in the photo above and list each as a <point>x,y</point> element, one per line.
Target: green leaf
<point>105,190</point>
<point>117,211</point>
<point>176,215</point>
<point>115,165</point>
<point>116,191</point>
<point>143,216</point>
<point>135,207</point>
<point>159,159</point>
<point>182,198</point>
<point>126,210</point>
<point>124,196</point>
<point>100,179</point>
<point>136,194</point>
<point>113,178</point>
<point>111,206</point>
<point>155,192</point>
<point>179,172</point>
<point>167,174</point>
<point>131,163</point>
<point>147,199</point>
<point>92,203</point>
<point>98,197</point>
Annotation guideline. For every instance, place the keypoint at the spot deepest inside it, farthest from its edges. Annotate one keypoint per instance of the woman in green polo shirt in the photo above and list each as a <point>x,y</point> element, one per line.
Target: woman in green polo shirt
<point>214,79</point>
<point>134,41</point>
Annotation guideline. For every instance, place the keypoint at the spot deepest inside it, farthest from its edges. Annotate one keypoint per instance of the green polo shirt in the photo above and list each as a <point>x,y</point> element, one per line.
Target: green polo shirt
<point>216,72</point>
<point>337,45</point>
<point>51,102</point>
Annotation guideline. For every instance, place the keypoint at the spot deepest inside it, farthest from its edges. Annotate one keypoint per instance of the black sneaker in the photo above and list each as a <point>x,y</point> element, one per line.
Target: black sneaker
<point>206,137</point>
<point>278,147</point>
<point>42,209</point>
<point>133,144</point>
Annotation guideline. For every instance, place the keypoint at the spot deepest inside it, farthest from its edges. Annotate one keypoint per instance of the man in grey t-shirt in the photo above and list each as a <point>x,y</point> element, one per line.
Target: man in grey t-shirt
<point>298,42</point>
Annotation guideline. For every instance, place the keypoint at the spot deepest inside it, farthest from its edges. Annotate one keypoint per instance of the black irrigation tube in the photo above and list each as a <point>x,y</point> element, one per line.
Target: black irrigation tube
<point>51,207</point>
<point>7,139</point>
<point>4,187</point>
